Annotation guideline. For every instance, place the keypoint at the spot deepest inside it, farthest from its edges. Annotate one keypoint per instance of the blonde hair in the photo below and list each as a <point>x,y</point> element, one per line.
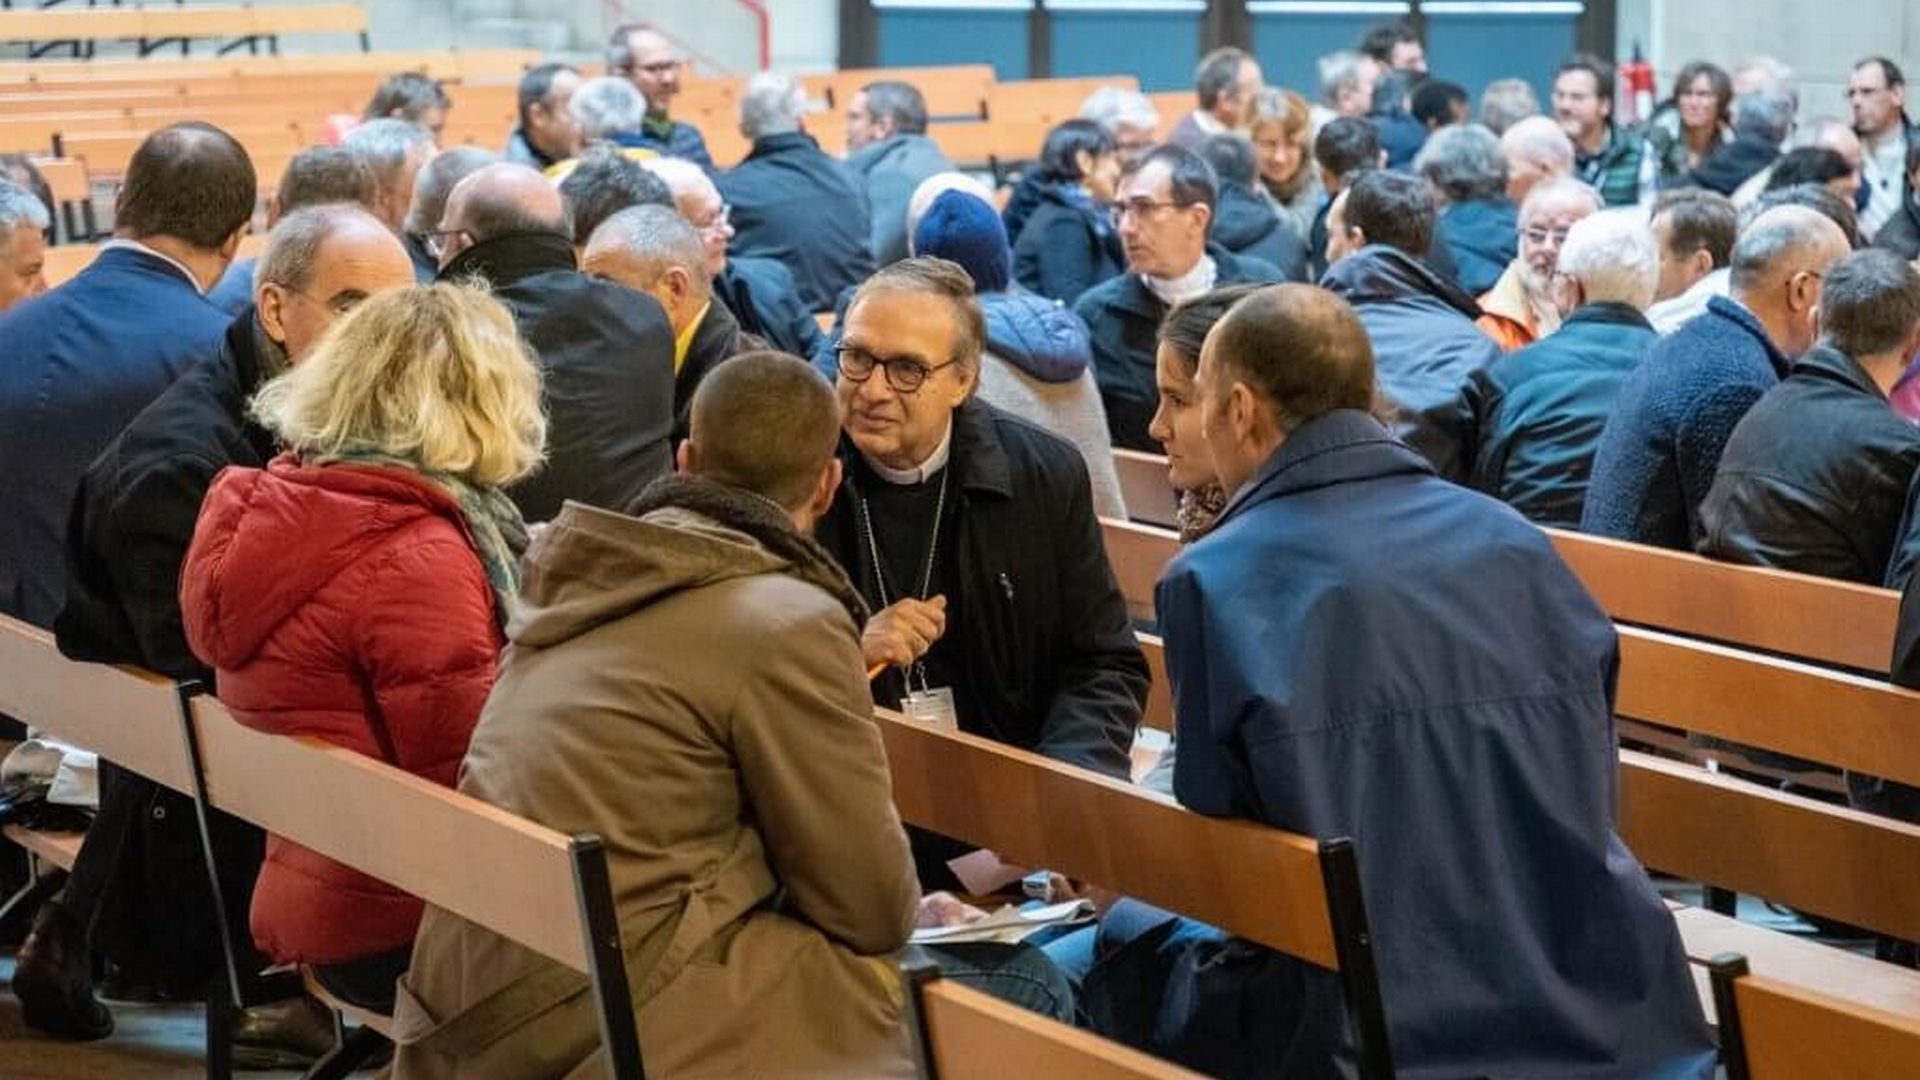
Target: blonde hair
<point>434,374</point>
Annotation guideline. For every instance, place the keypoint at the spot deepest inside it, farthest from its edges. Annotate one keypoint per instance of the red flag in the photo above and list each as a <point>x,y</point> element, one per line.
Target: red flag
<point>1635,93</point>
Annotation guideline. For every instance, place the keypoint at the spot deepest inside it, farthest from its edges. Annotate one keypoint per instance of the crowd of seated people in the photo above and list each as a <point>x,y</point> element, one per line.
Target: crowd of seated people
<point>534,473</point>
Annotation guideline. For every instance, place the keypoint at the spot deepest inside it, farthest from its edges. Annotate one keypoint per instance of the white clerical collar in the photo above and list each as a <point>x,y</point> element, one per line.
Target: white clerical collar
<point>920,473</point>
<point>1208,123</point>
<point>135,245</point>
<point>1193,283</point>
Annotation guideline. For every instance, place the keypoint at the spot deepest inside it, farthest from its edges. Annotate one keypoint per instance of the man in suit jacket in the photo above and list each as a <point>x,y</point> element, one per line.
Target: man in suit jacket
<point>84,358</point>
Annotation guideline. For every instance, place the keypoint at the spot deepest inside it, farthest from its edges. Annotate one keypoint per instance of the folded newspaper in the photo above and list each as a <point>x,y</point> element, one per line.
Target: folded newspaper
<point>1010,925</point>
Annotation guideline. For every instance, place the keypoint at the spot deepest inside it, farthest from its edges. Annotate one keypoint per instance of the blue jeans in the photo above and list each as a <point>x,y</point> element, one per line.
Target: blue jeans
<point>1017,974</point>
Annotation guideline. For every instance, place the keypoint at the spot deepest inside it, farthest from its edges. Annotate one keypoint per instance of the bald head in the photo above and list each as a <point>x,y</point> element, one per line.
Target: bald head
<point>1537,149</point>
<point>1778,264</point>
<point>500,200</point>
<point>652,249</point>
<point>320,262</point>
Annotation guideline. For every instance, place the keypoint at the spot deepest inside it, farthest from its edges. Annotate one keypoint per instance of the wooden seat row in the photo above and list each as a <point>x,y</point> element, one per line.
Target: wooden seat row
<point>472,65</point>
<point>160,24</point>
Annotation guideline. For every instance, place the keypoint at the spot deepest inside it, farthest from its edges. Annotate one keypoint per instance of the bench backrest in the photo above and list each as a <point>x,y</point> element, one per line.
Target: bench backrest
<point>131,716</point>
<point>1049,101</point>
<point>1774,1030</point>
<point>954,91</point>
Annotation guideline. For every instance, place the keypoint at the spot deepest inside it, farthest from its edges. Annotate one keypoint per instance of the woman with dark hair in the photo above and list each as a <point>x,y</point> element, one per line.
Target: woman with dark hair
<point>1816,165</point>
<point>1068,244</point>
<point>1691,124</point>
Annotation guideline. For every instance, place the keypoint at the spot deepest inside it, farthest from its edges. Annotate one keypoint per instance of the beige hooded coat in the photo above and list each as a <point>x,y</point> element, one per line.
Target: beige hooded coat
<point>698,702</point>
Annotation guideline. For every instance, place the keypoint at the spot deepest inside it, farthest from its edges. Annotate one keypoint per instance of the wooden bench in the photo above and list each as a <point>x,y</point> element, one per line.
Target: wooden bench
<point>1048,101</point>
<point>1775,1030</point>
<point>952,92</point>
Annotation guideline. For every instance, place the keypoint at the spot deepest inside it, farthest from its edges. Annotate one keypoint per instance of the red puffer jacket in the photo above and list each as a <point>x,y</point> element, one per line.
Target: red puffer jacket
<point>344,602</point>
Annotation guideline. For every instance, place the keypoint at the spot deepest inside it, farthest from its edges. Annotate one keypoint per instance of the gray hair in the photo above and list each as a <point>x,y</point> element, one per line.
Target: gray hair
<point>899,102</point>
<point>1614,257</point>
<point>435,182</point>
<point>1538,138</point>
<point>1775,236</point>
<point>658,238</point>
<point>1768,73</point>
<point>1765,114</point>
<point>1869,303</point>
<point>1113,106</point>
<point>1339,70</point>
<point>293,247</point>
<point>324,174</point>
<point>1463,163</point>
<point>606,182</point>
<point>1506,102</point>
<point>1559,187</point>
<point>772,105</point>
<point>1217,73</point>
<point>387,144</point>
<point>18,207</point>
<point>607,105</point>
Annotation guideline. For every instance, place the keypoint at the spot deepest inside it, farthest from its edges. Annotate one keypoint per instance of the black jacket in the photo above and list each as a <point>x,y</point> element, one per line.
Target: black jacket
<point>606,364</point>
<point>1048,657</point>
<point>793,203</point>
<point>1246,224</point>
<point>1123,316</point>
<point>1734,164</point>
<point>1900,233</point>
<point>716,340</point>
<point>1066,247</point>
<point>765,302</point>
<point>1537,413</point>
<point>1815,476</point>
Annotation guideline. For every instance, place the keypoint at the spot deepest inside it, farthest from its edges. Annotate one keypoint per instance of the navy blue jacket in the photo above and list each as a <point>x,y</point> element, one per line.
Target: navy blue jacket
<point>77,364</point>
<point>793,203</point>
<point>1359,649</point>
<point>674,139</point>
<point>766,303</point>
<point>1067,245</point>
<point>1247,224</point>
<point>1481,238</point>
<point>1036,335</point>
<point>233,293</point>
<point>1425,345</point>
<point>1537,413</point>
<point>1123,316</point>
<point>1671,422</point>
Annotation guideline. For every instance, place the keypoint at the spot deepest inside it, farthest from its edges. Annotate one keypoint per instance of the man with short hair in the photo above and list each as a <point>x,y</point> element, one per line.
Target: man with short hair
<point>1438,104</point>
<point>1519,309</point>
<point>1695,231</point>
<point>972,536</point>
<point>608,110</point>
<point>315,176</point>
<point>23,244</point>
<point>1506,102</point>
<point>132,518</point>
<point>605,352</point>
<point>1372,652</point>
<point>1478,227</point>
<point>1346,86</point>
<point>431,190</point>
<point>82,360</point>
<point>1128,116</point>
<point>1761,123</point>
<point>1877,94</point>
<point>1227,82</point>
<point>641,53</point>
<point>1537,150</point>
<point>1900,233</point>
<point>652,249</point>
<point>793,203</point>
<point>1343,149</point>
<point>1165,208</point>
<point>395,150</point>
<point>1420,323</point>
<point>1536,414</point>
<point>547,133</point>
<point>887,146</point>
<point>603,183</point>
<point>1611,160</point>
<point>1246,223</point>
<point>1672,419</point>
<point>1395,47</point>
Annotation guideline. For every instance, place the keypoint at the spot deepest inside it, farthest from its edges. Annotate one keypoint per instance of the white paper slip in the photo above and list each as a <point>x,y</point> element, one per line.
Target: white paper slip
<point>1010,925</point>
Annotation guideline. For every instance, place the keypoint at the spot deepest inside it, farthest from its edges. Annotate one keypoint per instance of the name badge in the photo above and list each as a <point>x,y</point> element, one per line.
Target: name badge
<point>933,707</point>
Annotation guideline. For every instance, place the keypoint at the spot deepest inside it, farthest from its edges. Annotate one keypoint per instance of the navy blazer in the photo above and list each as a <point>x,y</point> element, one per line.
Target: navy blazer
<point>76,365</point>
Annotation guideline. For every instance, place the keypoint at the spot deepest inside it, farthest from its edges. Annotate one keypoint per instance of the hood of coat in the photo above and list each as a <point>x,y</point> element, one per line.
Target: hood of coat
<point>1036,335</point>
<point>913,152</point>
<point>1379,274</point>
<point>268,539</point>
<point>1242,219</point>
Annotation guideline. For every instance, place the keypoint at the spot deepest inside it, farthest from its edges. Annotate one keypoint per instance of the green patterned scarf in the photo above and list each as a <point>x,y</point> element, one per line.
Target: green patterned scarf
<point>493,521</point>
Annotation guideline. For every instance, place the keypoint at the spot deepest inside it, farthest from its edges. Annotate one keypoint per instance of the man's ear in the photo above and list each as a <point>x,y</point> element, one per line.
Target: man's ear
<point>683,456</point>
<point>826,487</point>
<point>1700,263</point>
<point>1206,217</point>
<point>270,304</point>
<point>232,245</point>
<point>1358,236</point>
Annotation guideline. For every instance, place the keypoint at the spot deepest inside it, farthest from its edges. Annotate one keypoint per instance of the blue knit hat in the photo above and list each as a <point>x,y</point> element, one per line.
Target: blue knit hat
<point>960,227</point>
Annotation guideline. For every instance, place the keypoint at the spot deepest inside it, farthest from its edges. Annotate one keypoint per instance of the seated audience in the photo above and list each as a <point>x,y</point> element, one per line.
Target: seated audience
<point>1478,226</point>
<point>1814,165</point>
<point>1900,233</point>
<point>1672,419</point>
<point>355,589</point>
<point>413,97</point>
<point>1606,157</point>
<point>1353,627</point>
<point>730,755</point>
<point>888,148</point>
<point>1068,244</point>
<point>1537,150</point>
<point>1690,125</point>
<point>85,358</point>
<point>1519,308</point>
<point>760,292</point>
<point>1761,123</point>
<point>23,244</point>
<point>1395,46</point>
<point>1037,363</point>
<point>652,249</point>
<point>1282,134</point>
<point>139,888</point>
<point>604,182</point>
<point>1818,198</point>
<point>1506,102</point>
<point>1877,97</point>
<point>1822,133</point>
<point>1343,149</point>
<point>547,133</point>
<point>432,188</point>
<point>1420,323</point>
<point>1437,104</point>
<point>608,111</point>
<point>395,150</point>
<point>1226,84</point>
<point>1695,229</point>
<point>1176,423</point>
<point>1346,87</point>
<point>314,176</point>
<point>1537,413</point>
<point>1164,208</point>
<point>793,203</point>
<point>1128,116</point>
<point>1401,136</point>
<point>639,52</point>
<point>1246,223</point>
<point>605,352</point>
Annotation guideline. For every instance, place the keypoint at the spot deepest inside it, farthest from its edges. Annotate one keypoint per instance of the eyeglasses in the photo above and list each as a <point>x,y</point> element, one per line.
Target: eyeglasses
<point>721,220</point>
<point>655,69</point>
<point>905,374</point>
<point>437,239</point>
<point>1537,235</point>
<point>1142,207</point>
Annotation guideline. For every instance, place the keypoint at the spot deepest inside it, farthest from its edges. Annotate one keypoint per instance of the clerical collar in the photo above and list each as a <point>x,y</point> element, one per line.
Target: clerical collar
<point>1193,283</point>
<point>921,473</point>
